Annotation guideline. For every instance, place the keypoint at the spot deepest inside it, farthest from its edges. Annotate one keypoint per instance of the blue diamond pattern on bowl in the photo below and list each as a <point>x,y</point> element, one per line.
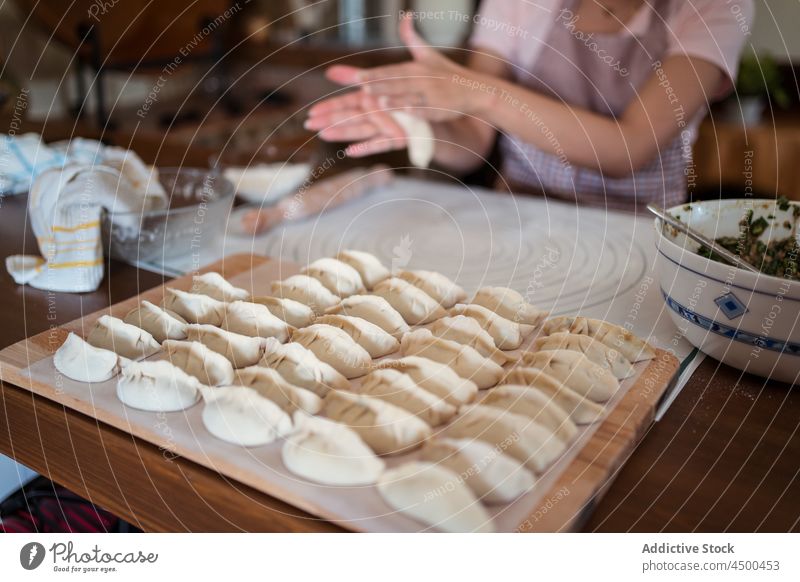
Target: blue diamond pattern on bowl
<point>730,305</point>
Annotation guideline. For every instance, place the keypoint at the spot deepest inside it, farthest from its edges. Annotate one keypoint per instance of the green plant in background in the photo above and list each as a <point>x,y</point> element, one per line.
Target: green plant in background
<point>760,76</point>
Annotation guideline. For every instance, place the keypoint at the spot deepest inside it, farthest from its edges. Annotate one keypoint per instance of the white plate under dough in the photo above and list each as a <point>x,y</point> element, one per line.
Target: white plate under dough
<point>157,386</point>
<point>329,453</point>
<point>435,496</point>
<point>81,361</point>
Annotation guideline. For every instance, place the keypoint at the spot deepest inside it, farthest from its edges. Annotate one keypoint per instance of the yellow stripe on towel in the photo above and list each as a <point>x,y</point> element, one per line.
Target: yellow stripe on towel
<point>72,264</point>
<point>84,226</point>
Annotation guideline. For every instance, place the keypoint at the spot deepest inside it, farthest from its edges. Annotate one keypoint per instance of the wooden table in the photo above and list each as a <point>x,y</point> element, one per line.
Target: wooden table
<point>725,457</point>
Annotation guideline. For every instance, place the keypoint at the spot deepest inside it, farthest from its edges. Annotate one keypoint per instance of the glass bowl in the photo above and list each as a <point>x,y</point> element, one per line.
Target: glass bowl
<point>200,201</point>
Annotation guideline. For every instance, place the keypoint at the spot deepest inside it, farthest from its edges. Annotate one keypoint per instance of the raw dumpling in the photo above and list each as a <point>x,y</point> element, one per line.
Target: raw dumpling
<point>129,341</point>
<point>270,384</point>
<point>339,278</point>
<point>411,302</point>
<point>241,416</point>
<point>334,347</point>
<point>419,137</point>
<point>369,336</point>
<point>614,336</point>
<point>464,360</point>
<point>162,324</point>
<point>254,320</point>
<point>439,287</point>
<point>509,304</point>
<point>81,361</point>
<point>507,335</point>
<point>241,350</point>
<point>467,331</point>
<point>292,312</point>
<point>157,386</point>
<point>439,379</point>
<point>435,496</point>
<point>386,428</point>
<point>398,389</point>
<point>305,290</point>
<point>329,453</point>
<point>596,351</point>
<point>375,310</point>
<point>588,379</point>
<point>535,405</point>
<point>195,308</point>
<point>372,271</point>
<point>302,368</point>
<point>214,285</point>
<point>581,410</point>
<point>492,476</point>
<point>197,360</point>
<point>530,443</point>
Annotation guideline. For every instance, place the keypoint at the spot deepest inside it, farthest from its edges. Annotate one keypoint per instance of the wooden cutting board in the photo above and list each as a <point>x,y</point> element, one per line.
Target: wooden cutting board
<point>561,501</point>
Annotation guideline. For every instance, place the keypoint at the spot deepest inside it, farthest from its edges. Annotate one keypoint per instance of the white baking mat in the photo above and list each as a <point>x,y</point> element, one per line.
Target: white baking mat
<point>183,433</point>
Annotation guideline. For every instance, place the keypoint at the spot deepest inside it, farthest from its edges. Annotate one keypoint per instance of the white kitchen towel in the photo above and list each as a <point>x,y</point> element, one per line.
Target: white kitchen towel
<point>24,157</point>
<point>65,209</point>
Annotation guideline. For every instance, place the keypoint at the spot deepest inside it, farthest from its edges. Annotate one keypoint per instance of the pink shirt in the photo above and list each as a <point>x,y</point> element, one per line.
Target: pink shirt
<point>713,30</point>
<point>601,72</point>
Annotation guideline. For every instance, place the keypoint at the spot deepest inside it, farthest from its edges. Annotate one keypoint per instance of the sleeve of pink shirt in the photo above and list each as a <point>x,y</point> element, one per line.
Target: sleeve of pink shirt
<point>714,31</point>
<point>487,30</point>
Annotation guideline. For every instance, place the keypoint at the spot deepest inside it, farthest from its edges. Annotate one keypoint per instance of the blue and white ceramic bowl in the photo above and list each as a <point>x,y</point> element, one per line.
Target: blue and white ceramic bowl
<point>750,321</point>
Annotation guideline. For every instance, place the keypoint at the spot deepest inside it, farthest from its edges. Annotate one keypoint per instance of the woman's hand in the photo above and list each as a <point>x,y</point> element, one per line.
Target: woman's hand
<point>356,117</point>
<point>430,86</point>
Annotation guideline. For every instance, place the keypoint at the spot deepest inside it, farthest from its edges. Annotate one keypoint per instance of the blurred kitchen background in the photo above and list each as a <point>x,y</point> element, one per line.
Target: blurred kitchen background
<point>186,83</point>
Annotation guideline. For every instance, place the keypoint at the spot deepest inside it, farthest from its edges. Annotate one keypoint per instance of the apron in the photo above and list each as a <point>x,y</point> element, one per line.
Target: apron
<point>568,70</point>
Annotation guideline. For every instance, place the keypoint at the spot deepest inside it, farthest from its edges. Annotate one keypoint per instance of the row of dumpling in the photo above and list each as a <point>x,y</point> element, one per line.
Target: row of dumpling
<point>494,449</point>
<point>579,371</point>
<point>357,294</point>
